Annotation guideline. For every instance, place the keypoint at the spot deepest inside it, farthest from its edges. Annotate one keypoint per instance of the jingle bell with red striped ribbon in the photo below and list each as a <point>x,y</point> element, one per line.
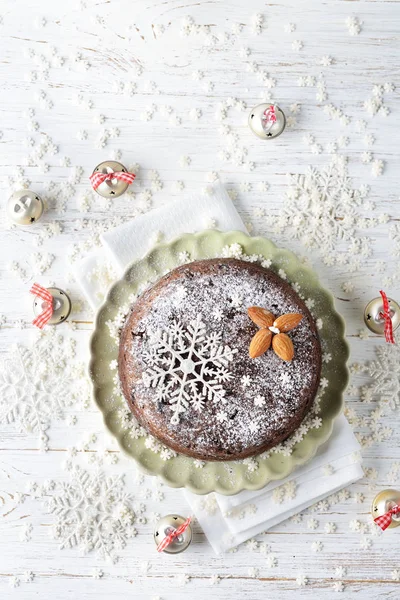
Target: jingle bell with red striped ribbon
<point>386,509</point>
<point>51,306</point>
<point>173,534</point>
<point>267,121</point>
<point>382,316</point>
<point>111,179</point>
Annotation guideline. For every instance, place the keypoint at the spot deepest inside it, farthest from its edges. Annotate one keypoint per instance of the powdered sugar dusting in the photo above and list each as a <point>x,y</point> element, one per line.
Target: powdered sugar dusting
<point>242,424</point>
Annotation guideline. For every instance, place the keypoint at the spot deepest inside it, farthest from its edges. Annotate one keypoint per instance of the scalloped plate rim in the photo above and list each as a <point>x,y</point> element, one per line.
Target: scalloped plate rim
<point>295,461</point>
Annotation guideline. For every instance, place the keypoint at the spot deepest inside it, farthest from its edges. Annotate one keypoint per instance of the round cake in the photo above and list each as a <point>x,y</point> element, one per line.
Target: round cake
<point>186,370</point>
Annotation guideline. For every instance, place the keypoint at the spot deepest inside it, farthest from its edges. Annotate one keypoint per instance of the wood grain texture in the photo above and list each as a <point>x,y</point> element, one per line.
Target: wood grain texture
<point>115,38</point>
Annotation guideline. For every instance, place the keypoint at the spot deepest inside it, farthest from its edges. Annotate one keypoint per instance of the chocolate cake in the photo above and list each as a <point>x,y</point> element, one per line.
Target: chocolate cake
<point>185,367</point>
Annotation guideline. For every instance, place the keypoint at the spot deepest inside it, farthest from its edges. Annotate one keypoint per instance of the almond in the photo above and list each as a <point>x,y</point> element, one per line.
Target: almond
<point>287,322</point>
<point>260,343</point>
<point>283,346</point>
<point>260,316</point>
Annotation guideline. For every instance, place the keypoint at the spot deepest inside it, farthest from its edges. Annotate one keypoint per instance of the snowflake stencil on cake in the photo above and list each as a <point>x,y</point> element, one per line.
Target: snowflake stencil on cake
<point>93,513</point>
<point>187,366</point>
<point>38,383</point>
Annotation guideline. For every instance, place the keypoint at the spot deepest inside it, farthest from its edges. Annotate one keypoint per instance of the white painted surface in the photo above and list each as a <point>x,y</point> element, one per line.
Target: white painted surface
<point>128,38</point>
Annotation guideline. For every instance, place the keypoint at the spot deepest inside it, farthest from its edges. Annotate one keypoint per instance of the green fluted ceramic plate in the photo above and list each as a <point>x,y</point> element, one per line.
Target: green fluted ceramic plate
<point>180,471</point>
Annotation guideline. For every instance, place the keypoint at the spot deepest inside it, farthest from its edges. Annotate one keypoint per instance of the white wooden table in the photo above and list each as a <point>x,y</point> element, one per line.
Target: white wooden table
<point>71,63</point>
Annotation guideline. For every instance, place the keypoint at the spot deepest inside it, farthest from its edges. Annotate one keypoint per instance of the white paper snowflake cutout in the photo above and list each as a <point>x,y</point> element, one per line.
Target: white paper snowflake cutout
<point>385,372</point>
<point>187,366</point>
<point>316,200</point>
<point>38,383</point>
<point>93,512</point>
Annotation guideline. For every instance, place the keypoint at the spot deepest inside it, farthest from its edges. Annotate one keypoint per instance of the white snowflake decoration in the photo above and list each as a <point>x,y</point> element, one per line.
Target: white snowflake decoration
<point>187,366</point>
<point>385,371</point>
<point>301,580</point>
<point>38,383</point>
<point>313,203</point>
<point>93,513</point>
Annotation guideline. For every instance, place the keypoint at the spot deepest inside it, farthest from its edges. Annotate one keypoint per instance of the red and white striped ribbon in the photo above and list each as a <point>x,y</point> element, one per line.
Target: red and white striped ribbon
<point>174,534</point>
<point>269,114</point>
<point>388,320</point>
<point>44,317</point>
<point>97,179</point>
<point>385,520</point>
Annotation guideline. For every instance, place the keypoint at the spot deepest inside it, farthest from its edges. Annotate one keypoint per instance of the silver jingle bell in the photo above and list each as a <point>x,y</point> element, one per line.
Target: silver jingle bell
<point>260,127</point>
<point>61,306</point>
<point>25,207</point>
<point>168,524</point>
<point>383,502</point>
<point>373,315</point>
<point>112,188</point>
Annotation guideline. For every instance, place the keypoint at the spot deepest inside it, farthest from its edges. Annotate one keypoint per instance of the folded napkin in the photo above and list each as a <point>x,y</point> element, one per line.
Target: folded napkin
<point>226,520</point>
<point>230,520</point>
<point>131,241</point>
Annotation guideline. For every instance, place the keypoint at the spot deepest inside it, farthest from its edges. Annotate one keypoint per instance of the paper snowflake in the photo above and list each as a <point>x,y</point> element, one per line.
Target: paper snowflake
<point>313,203</point>
<point>183,579</point>
<point>330,527</point>
<point>312,524</point>
<point>38,383</point>
<point>396,575</point>
<point>317,546</point>
<point>93,513</point>
<point>187,366</point>
<point>301,580</point>
<point>271,561</point>
<point>208,504</point>
<point>252,545</point>
<point>385,371</point>
<point>338,586</point>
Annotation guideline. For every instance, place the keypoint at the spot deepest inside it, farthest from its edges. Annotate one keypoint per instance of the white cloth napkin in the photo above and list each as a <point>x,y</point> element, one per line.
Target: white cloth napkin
<point>230,520</point>
<point>217,514</point>
<point>131,241</point>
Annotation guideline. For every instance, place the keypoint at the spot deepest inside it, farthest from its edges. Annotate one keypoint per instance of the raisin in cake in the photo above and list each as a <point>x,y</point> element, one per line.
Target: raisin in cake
<point>185,368</point>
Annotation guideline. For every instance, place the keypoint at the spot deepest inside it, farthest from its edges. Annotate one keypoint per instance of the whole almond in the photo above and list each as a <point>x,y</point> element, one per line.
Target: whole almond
<point>260,316</point>
<point>287,322</point>
<point>283,346</point>
<point>260,343</point>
